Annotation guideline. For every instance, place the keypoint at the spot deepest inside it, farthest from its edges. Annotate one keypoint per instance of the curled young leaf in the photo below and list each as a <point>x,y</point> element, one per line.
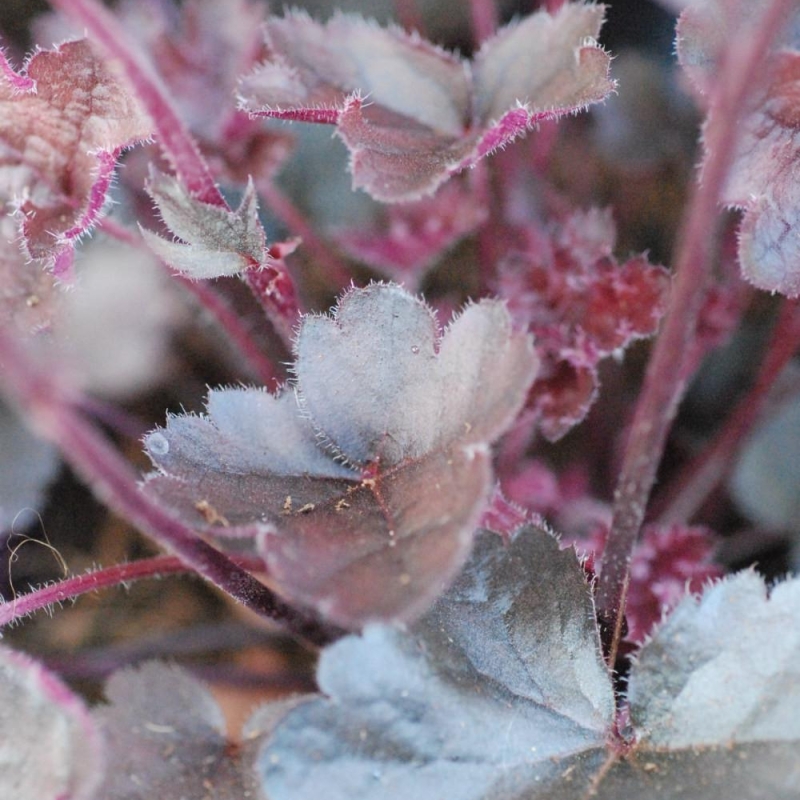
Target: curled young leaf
<point>214,241</point>
<point>412,114</point>
<point>50,749</point>
<point>366,477</point>
<point>63,123</point>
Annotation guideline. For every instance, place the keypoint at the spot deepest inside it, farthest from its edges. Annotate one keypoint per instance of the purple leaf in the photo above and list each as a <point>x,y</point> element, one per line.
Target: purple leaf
<point>412,114</point>
<point>166,739</point>
<point>216,241</point>
<point>28,294</point>
<point>365,478</point>
<point>63,123</point>
<point>50,748</point>
<point>764,176</point>
<point>496,693</point>
<point>500,692</point>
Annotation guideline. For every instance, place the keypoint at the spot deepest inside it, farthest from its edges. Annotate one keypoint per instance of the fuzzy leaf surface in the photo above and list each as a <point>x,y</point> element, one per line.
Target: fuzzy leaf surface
<point>412,114</point>
<point>495,693</point>
<point>215,241</point>
<point>365,478</point>
<point>764,176</point>
<point>165,737</point>
<point>50,749</point>
<point>500,693</point>
<point>64,121</point>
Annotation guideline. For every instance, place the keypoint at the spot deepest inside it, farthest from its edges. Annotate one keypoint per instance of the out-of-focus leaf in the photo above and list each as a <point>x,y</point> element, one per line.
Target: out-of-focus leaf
<point>50,749</point>
<point>28,295</point>
<point>366,477</point>
<point>764,176</point>
<point>764,481</point>
<point>582,306</point>
<point>215,241</point>
<point>412,237</point>
<point>64,121</point>
<point>165,737</point>
<point>498,692</point>
<point>412,114</point>
<point>28,466</point>
<point>736,650</point>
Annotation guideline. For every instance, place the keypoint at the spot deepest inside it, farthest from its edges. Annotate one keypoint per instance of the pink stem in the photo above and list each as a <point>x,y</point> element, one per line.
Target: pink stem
<point>216,305</point>
<point>484,19</point>
<point>173,136</point>
<point>664,383</point>
<point>51,407</point>
<point>687,493</point>
<point>69,589</point>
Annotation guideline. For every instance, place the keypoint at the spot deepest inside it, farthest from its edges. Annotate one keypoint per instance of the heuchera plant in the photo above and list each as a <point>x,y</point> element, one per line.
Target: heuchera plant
<point>428,464</point>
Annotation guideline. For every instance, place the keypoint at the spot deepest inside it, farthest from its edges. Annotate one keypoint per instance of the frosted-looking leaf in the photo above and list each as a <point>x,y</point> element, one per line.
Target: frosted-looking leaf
<point>498,692</point>
<point>50,748</point>
<point>737,651</point>
<point>412,114</point>
<point>64,121</point>
<point>215,241</point>
<point>764,176</point>
<point>366,491</point>
<point>764,481</point>
<point>165,737</point>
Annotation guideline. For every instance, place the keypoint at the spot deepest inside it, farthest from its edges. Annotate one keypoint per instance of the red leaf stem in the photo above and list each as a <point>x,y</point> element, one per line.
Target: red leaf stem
<point>71,588</point>
<point>664,382</point>
<point>217,306</point>
<point>51,408</point>
<point>681,500</point>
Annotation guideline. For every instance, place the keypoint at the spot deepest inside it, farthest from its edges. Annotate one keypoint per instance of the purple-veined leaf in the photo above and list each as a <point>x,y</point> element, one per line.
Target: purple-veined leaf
<point>165,737</point>
<point>64,120</point>
<point>500,693</point>
<point>50,749</point>
<point>215,241</point>
<point>764,176</point>
<point>366,477</point>
<point>412,114</point>
<point>496,693</point>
